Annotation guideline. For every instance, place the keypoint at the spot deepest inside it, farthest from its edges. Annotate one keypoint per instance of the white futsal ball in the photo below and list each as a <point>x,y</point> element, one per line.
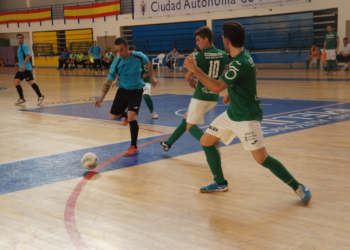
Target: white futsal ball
<point>89,161</point>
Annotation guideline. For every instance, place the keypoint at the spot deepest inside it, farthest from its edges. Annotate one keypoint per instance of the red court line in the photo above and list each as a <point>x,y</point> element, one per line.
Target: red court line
<point>69,212</point>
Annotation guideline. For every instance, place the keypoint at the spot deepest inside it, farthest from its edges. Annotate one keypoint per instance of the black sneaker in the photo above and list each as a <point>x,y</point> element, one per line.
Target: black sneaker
<point>165,146</point>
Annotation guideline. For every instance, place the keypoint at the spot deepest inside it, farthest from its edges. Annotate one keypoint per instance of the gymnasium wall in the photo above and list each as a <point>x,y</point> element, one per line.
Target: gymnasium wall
<point>113,26</point>
<point>8,5</point>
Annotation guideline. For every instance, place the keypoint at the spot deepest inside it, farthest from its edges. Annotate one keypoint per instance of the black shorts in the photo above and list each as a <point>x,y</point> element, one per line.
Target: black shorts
<point>125,98</point>
<point>341,58</point>
<point>27,74</point>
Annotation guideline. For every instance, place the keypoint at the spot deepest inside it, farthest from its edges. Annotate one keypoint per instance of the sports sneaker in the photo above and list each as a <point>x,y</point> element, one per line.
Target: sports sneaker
<point>334,73</point>
<point>326,73</point>
<point>154,115</point>
<point>125,121</point>
<point>165,146</point>
<point>131,151</point>
<point>304,194</point>
<point>41,99</point>
<point>214,187</point>
<point>20,101</point>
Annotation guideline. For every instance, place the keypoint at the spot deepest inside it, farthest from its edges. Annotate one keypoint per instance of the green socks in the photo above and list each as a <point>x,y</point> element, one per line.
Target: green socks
<point>214,161</point>
<point>177,133</point>
<point>281,172</point>
<point>329,63</point>
<point>334,65</point>
<point>307,64</point>
<point>149,102</point>
<point>196,132</point>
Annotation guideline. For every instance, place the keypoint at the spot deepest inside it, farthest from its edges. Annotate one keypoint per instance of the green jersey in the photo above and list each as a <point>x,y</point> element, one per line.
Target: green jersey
<point>145,71</point>
<point>241,81</point>
<point>211,61</point>
<point>331,40</point>
<point>80,57</point>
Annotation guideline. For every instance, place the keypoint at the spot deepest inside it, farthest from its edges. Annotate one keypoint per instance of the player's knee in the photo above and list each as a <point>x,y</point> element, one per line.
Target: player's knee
<point>205,142</point>
<point>113,117</point>
<point>188,126</point>
<point>132,116</point>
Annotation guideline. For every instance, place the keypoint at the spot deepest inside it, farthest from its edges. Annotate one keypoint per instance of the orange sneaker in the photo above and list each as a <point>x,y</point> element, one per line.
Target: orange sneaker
<point>125,121</point>
<point>131,151</point>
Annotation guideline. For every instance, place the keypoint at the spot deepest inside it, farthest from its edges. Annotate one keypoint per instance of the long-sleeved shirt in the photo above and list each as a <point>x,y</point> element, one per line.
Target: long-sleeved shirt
<point>172,54</point>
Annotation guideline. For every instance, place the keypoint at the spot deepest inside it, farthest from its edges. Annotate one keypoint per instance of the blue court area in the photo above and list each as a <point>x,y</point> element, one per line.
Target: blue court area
<point>280,116</point>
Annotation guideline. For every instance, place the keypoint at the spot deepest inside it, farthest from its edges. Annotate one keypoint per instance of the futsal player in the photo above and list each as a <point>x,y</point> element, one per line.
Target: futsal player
<point>147,89</point>
<point>96,50</point>
<point>243,116</point>
<point>25,71</point>
<point>212,61</point>
<point>128,66</point>
<point>331,45</point>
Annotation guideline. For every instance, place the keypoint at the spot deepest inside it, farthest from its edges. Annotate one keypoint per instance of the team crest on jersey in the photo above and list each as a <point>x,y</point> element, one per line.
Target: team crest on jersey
<point>143,7</point>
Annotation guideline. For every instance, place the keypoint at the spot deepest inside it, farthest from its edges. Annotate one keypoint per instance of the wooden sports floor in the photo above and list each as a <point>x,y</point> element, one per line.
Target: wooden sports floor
<point>152,200</point>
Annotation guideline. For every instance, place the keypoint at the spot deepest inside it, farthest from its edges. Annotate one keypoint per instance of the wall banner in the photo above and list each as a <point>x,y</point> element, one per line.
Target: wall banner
<point>147,8</point>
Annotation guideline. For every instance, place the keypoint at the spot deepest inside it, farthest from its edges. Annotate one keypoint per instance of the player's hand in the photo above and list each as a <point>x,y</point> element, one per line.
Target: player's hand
<point>190,64</point>
<point>154,82</point>
<point>226,99</point>
<point>22,69</point>
<point>98,102</point>
<point>16,64</point>
<point>114,83</point>
<point>193,83</point>
<point>336,50</point>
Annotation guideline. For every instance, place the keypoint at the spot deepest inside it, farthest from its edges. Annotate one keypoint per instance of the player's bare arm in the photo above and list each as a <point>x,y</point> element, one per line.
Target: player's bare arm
<point>324,45</point>
<point>105,90</point>
<point>150,72</point>
<point>192,82</point>
<point>214,85</point>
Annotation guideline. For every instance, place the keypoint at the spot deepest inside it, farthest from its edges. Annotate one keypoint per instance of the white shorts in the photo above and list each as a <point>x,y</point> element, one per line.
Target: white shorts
<point>147,89</point>
<point>248,132</point>
<point>197,109</point>
<point>330,54</point>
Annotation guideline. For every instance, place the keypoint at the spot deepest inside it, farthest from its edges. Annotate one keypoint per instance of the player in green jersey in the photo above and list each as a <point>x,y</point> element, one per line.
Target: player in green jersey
<point>243,116</point>
<point>331,45</point>
<point>79,59</point>
<point>212,61</point>
<point>147,88</point>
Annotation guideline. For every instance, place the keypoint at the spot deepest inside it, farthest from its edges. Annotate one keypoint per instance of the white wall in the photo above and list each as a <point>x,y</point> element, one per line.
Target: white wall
<point>113,26</point>
<point>17,4</point>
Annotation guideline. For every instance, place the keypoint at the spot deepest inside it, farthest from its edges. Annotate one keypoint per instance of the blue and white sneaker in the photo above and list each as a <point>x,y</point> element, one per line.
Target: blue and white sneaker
<point>214,187</point>
<point>304,194</point>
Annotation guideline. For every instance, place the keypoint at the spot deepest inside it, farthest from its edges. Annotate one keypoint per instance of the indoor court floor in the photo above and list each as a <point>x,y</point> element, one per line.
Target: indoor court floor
<point>48,201</point>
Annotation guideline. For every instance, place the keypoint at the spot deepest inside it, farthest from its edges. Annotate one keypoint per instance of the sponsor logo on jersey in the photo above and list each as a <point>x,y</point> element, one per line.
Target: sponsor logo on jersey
<point>213,54</point>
